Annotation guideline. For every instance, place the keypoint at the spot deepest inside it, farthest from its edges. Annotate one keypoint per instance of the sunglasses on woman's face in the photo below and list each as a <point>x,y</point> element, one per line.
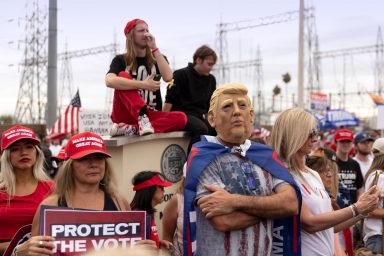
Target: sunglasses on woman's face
<point>312,134</point>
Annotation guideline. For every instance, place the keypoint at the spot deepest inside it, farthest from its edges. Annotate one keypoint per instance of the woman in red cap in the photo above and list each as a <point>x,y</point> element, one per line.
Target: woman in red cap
<point>149,187</point>
<point>23,184</point>
<point>86,179</point>
<point>137,89</point>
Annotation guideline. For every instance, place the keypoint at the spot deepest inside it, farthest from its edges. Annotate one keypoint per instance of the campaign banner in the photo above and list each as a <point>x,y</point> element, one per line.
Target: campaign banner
<point>318,100</point>
<point>339,117</point>
<point>77,231</point>
<point>95,121</point>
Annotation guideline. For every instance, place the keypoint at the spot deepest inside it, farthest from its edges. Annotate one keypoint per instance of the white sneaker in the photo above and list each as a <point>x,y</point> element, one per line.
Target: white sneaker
<point>122,129</point>
<point>145,126</point>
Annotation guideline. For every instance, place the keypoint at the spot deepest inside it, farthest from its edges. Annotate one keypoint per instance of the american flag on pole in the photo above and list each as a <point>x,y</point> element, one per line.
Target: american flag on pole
<point>68,122</point>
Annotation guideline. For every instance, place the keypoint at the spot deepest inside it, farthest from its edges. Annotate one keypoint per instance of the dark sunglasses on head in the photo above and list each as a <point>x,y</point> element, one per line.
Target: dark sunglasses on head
<point>247,169</point>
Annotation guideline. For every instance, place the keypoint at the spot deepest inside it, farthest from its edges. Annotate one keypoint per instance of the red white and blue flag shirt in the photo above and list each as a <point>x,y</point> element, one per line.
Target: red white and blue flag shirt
<point>212,163</point>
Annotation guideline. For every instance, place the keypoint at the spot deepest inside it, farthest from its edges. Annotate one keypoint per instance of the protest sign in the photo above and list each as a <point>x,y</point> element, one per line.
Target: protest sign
<point>77,231</point>
<point>95,121</point>
<point>318,100</point>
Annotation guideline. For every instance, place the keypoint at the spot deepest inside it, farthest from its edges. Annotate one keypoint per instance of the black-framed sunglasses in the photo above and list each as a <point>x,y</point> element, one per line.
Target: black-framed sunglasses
<point>247,169</point>
<point>312,134</point>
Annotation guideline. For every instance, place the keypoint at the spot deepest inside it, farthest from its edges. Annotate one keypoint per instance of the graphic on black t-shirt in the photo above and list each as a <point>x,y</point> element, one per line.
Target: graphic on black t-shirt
<point>152,99</point>
<point>350,175</point>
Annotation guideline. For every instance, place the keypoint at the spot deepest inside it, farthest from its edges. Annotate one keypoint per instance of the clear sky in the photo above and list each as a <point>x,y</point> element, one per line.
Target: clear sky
<point>182,26</point>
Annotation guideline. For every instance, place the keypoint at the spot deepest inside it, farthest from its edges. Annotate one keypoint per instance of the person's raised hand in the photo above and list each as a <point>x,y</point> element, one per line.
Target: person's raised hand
<point>37,245</point>
<point>151,41</point>
<point>150,84</point>
<point>368,201</point>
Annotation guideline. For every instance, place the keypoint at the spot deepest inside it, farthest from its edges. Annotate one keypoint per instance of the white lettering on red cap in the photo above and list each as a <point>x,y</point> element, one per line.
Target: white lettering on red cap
<point>88,141</point>
<point>13,135</point>
<point>345,134</point>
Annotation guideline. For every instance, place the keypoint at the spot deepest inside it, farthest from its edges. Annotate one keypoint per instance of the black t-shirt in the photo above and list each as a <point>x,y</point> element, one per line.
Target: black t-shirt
<point>190,91</point>
<point>350,175</point>
<point>109,205</point>
<point>152,99</point>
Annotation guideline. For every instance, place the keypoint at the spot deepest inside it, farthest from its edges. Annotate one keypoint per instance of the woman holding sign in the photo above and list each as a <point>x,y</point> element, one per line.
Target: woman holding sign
<point>85,180</point>
<point>23,183</point>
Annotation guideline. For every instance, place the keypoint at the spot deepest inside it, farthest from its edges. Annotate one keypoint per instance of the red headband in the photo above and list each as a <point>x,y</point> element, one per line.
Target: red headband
<point>154,181</point>
<point>131,24</point>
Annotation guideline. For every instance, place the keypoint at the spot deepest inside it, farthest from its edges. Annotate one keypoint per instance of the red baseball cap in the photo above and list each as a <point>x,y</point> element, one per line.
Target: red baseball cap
<point>60,156</point>
<point>16,133</point>
<point>84,144</point>
<point>343,134</point>
<point>131,24</point>
<point>154,181</point>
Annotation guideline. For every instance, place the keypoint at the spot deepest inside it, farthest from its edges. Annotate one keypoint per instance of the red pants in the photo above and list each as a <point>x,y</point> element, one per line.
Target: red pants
<point>127,105</point>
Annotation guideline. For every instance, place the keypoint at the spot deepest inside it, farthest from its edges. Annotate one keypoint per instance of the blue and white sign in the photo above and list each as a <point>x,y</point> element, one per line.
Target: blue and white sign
<point>339,117</point>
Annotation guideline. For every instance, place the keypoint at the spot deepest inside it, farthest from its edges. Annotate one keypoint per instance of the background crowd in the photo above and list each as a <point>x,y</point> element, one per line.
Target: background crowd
<point>321,187</point>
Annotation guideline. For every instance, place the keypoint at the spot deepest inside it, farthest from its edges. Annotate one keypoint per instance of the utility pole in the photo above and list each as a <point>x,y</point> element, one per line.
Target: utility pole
<point>52,65</point>
<point>300,79</point>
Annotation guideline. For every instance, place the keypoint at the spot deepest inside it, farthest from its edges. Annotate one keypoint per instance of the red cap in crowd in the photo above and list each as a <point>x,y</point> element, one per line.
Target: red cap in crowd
<point>16,133</point>
<point>131,24</point>
<point>343,134</point>
<point>60,156</point>
<point>83,144</point>
<point>154,181</point>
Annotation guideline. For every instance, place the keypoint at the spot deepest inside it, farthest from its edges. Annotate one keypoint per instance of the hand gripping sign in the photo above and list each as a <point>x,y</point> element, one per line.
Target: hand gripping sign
<point>77,232</point>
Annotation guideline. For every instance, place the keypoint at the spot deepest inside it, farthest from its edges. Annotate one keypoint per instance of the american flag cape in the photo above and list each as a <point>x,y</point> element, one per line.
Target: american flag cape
<point>68,122</point>
<point>202,153</point>
<point>344,200</point>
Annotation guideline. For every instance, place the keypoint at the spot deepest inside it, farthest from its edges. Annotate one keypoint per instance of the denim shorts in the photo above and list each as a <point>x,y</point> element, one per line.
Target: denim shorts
<point>373,243</point>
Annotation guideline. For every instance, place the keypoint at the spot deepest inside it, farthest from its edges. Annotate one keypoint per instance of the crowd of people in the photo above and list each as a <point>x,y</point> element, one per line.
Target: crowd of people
<point>244,191</point>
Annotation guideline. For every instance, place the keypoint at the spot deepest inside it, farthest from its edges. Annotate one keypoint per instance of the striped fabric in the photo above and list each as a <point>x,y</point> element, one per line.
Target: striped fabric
<point>286,241</point>
<point>68,122</point>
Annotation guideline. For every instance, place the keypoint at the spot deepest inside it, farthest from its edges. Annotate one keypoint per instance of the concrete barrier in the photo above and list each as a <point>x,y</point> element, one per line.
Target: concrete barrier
<point>163,152</point>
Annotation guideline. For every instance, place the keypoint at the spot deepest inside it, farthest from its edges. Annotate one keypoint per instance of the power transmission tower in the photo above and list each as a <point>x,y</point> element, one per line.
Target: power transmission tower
<point>110,91</point>
<point>66,87</point>
<point>379,67</point>
<point>311,45</point>
<point>378,48</point>
<point>42,60</point>
<point>31,101</point>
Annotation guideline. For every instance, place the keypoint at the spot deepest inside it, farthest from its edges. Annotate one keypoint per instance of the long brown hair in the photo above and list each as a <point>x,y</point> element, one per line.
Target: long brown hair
<point>377,164</point>
<point>321,164</point>
<point>130,55</point>
<point>65,179</point>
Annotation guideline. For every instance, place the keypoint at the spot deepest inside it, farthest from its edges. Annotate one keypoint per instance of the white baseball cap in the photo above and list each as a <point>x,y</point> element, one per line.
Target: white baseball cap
<point>379,145</point>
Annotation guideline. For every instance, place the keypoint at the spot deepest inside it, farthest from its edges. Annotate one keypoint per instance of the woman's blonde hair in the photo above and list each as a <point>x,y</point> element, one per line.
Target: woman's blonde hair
<point>289,134</point>
<point>65,179</point>
<point>130,55</point>
<point>231,88</point>
<point>8,177</point>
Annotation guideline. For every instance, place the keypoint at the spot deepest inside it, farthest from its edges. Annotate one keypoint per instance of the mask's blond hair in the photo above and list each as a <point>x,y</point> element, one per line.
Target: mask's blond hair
<point>289,133</point>
<point>65,182</point>
<point>8,177</point>
<point>130,55</point>
<point>230,88</point>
